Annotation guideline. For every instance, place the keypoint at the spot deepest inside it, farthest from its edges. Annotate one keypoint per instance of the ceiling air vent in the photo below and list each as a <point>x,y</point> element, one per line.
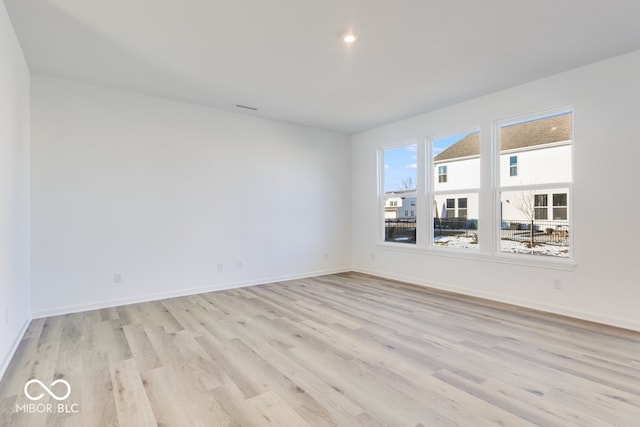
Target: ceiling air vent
<point>246,107</point>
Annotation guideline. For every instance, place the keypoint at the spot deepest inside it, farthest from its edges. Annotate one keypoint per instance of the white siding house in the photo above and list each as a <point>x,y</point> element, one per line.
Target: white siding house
<point>456,179</point>
<point>391,207</point>
<point>398,206</point>
<point>544,165</point>
<point>533,153</point>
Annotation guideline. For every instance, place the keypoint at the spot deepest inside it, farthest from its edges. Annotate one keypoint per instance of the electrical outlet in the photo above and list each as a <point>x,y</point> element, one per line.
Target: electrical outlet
<point>117,278</point>
<point>240,265</point>
<point>326,255</point>
<point>373,256</point>
<point>557,284</point>
<point>220,267</point>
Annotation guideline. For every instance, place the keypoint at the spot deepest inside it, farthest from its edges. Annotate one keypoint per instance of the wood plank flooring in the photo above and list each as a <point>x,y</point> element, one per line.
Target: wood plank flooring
<point>338,350</point>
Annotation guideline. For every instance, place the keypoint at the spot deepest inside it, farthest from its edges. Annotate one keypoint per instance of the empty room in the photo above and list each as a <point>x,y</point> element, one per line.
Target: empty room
<point>336,213</point>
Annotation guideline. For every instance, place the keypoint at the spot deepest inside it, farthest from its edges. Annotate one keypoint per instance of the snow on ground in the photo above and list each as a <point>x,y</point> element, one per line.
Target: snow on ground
<point>520,248</point>
<point>505,246</point>
<point>456,242</point>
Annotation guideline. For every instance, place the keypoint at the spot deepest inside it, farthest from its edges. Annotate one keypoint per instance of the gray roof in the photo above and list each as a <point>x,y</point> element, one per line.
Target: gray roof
<point>467,146</point>
<point>520,135</point>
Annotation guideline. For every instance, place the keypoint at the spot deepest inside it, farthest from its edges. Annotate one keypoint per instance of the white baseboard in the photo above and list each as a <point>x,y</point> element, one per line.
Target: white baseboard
<point>56,311</point>
<point>535,305</point>
<point>4,363</point>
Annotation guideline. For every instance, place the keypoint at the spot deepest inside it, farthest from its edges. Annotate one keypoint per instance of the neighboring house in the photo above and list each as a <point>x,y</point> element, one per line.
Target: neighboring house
<point>408,209</point>
<point>391,207</point>
<point>398,206</point>
<point>536,153</point>
<point>532,153</point>
<point>456,172</point>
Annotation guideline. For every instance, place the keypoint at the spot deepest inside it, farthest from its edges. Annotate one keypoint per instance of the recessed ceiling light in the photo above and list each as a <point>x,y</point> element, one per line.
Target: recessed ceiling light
<point>349,37</point>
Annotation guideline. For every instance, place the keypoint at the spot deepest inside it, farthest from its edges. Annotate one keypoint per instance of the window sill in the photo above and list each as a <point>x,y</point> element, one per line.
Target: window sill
<point>536,261</point>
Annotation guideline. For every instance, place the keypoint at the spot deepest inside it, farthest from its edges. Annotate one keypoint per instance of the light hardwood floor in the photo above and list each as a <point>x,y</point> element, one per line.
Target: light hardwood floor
<point>338,350</point>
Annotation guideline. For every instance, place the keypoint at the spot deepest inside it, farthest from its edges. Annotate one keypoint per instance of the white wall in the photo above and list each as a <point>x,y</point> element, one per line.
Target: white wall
<point>603,286</point>
<point>14,191</point>
<point>162,192</point>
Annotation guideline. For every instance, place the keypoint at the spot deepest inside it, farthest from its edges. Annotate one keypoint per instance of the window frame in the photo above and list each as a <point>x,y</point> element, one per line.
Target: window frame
<point>415,193</point>
<point>530,259</point>
<point>442,174</point>
<point>554,206</point>
<point>456,193</point>
<point>462,208</point>
<point>541,207</point>
<point>488,193</point>
<point>513,165</point>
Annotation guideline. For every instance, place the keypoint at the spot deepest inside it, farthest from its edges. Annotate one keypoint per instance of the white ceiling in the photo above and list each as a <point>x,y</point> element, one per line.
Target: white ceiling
<point>286,58</point>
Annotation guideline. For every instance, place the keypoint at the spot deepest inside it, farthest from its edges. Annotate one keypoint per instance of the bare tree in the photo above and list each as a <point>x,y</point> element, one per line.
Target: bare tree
<point>525,202</point>
<point>408,184</point>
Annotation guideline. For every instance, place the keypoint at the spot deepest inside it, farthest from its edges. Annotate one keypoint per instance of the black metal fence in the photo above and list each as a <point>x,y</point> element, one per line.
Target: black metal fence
<point>453,225</point>
<point>536,232</point>
<point>401,230</point>
<point>550,232</point>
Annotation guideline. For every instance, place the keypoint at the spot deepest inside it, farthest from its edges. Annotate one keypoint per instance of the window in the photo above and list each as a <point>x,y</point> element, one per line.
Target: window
<point>540,206</point>
<point>451,208</point>
<point>560,206</point>
<point>399,180</point>
<point>456,190</point>
<point>462,207</point>
<point>513,166</point>
<point>442,173</point>
<point>544,145</point>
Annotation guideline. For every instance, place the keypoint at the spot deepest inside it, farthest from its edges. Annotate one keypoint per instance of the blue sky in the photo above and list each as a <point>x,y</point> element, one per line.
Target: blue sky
<point>441,144</point>
<point>401,163</point>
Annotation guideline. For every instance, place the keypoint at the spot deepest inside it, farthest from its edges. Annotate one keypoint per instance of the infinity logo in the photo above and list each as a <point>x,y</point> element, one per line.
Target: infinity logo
<point>52,394</point>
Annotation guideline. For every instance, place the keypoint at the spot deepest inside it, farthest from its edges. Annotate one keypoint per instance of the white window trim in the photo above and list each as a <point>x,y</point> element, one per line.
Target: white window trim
<point>488,247</point>
<point>381,194</point>
<point>429,165</point>
<point>514,165</point>
<point>529,259</point>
